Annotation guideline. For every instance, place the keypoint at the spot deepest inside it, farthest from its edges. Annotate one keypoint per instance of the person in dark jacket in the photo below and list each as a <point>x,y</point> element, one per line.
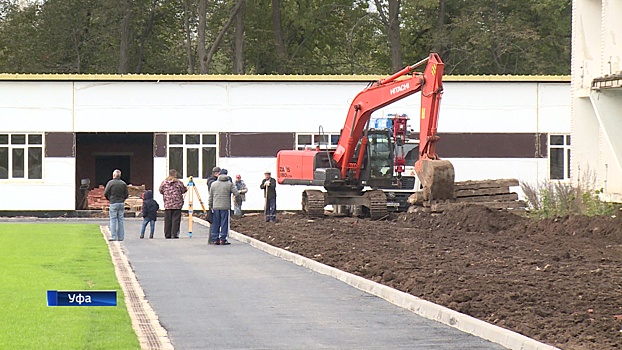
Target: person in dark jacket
<point>268,185</point>
<point>116,193</point>
<point>213,177</point>
<point>220,204</point>
<point>149,213</point>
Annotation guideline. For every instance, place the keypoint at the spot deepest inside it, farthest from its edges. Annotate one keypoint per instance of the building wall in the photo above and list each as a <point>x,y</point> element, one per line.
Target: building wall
<point>254,119</point>
<point>595,122</point>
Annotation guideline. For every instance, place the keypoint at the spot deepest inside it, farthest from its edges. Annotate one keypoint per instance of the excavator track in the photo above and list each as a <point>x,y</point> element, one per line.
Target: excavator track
<point>313,202</point>
<point>377,204</point>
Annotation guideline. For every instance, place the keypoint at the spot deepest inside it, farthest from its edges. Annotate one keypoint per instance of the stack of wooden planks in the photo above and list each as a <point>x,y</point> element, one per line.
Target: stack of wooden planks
<point>494,194</point>
<point>136,191</point>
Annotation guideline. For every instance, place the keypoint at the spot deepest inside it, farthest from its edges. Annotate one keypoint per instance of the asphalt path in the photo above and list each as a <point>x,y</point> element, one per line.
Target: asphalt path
<point>238,297</point>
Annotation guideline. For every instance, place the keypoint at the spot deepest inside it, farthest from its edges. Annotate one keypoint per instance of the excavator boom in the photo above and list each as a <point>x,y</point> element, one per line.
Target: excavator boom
<point>341,171</point>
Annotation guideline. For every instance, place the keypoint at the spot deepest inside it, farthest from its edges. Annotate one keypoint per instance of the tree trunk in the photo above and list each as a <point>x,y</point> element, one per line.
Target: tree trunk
<point>440,26</point>
<point>146,34</point>
<point>201,29</point>
<point>392,25</point>
<point>279,42</point>
<point>125,38</point>
<point>395,39</point>
<point>188,37</point>
<point>224,29</point>
<point>238,45</point>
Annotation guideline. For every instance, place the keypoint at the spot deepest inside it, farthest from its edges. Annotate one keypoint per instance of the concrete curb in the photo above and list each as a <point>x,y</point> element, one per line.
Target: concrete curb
<point>424,308</point>
<point>151,335</point>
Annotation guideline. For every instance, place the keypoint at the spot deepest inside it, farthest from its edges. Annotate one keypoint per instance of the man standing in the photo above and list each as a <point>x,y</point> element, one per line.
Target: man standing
<point>116,193</point>
<point>220,203</point>
<point>269,186</point>
<point>237,200</point>
<point>172,189</point>
<point>213,178</point>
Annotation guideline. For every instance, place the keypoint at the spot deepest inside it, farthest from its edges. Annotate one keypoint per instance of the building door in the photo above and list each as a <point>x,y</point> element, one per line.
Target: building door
<point>106,164</point>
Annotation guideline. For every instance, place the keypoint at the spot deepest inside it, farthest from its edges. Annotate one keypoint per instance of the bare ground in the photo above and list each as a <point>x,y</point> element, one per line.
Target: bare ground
<point>558,281</point>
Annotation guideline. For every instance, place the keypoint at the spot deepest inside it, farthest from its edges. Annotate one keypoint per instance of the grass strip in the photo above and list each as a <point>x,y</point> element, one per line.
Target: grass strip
<point>35,258</point>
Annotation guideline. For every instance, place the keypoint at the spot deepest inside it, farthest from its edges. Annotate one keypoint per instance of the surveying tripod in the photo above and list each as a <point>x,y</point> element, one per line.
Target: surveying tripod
<point>192,191</point>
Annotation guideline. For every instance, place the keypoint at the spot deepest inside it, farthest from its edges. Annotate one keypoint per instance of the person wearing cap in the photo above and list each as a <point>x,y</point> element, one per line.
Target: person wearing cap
<point>268,185</point>
<point>237,200</point>
<point>213,177</point>
<point>220,204</point>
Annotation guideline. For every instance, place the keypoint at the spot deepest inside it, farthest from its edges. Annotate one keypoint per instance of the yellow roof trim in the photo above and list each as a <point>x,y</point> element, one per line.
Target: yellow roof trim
<point>267,78</point>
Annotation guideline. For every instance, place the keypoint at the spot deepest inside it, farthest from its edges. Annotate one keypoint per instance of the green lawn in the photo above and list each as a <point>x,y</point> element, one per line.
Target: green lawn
<point>35,258</point>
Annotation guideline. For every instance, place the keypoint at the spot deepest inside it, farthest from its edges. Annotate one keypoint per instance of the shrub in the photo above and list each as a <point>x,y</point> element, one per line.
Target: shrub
<point>552,198</point>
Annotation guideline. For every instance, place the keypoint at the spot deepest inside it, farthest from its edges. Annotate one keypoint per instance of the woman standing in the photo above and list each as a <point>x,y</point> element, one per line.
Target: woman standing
<point>172,189</point>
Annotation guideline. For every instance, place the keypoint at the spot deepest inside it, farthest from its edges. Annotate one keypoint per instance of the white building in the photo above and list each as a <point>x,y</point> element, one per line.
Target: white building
<point>57,130</point>
<point>597,95</point>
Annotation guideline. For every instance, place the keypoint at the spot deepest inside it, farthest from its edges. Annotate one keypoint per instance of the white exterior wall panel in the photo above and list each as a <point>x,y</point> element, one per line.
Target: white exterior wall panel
<point>596,120</point>
<point>553,112</point>
<point>34,107</point>
<point>488,107</point>
<point>287,106</point>
<point>149,106</point>
<point>56,191</point>
<point>466,107</point>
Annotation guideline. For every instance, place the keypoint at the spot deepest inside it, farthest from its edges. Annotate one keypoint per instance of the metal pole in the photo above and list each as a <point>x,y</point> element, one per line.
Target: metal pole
<point>190,210</point>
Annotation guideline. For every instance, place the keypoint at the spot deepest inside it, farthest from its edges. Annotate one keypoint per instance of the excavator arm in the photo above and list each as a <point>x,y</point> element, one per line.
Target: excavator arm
<point>340,171</point>
<point>381,93</point>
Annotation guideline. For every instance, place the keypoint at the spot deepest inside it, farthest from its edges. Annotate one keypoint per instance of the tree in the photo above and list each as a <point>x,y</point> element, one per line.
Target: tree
<point>238,48</point>
<point>219,37</point>
<point>287,37</point>
<point>391,21</point>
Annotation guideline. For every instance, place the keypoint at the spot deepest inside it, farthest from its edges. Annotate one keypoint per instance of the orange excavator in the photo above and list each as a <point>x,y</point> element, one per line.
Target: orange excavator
<point>364,162</point>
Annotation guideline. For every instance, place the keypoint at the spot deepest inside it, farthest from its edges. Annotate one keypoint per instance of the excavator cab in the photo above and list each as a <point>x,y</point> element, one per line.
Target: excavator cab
<point>379,159</point>
<point>377,166</point>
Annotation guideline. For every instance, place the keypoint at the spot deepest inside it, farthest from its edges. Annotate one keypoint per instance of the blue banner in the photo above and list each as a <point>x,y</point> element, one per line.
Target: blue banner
<point>82,298</point>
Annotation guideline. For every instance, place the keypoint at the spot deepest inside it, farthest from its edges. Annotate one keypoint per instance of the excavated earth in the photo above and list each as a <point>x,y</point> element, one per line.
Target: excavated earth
<point>558,281</point>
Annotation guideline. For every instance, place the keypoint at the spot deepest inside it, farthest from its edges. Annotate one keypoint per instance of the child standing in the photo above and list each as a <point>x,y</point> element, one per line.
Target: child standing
<point>149,213</point>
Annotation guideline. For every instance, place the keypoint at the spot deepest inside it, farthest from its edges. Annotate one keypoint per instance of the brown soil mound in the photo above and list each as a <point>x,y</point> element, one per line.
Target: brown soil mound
<point>558,281</point>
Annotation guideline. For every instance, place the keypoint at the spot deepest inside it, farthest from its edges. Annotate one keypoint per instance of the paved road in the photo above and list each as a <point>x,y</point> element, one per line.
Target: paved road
<point>238,297</point>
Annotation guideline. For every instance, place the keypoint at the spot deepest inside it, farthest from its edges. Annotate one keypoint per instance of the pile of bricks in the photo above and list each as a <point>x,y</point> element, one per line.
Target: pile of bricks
<point>96,199</point>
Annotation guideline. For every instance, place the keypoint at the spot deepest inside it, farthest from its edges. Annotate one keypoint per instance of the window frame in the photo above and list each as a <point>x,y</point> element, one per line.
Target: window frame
<point>315,137</point>
<point>196,149</point>
<point>32,141</point>
<point>565,148</point>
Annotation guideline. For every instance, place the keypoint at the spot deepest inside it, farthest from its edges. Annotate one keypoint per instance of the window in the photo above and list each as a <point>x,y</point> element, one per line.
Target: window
<point>21,156</point>
<point>559,157</point>
<point>192,154</point>
<point>328,140</point>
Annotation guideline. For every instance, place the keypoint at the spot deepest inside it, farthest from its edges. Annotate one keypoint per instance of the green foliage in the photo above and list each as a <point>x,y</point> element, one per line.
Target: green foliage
<point>320,36</point>
<point>555,199</point>
<point>35,258</point>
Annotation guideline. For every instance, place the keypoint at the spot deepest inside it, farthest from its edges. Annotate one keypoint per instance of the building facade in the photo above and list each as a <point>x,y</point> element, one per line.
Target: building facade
<point>597,96</point>
<point>57,131</point>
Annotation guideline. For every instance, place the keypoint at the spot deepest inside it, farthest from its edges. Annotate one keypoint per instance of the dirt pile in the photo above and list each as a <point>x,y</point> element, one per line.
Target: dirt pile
<point>558,281</point>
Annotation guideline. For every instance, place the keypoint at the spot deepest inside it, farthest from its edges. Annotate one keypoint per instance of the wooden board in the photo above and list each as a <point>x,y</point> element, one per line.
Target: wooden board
<point>481,192</point>
<point>477,184</point>
<point>492,198</point>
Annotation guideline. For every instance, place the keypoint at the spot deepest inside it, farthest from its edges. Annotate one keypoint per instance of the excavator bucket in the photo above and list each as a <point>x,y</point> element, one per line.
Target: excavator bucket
<point>437,178</point>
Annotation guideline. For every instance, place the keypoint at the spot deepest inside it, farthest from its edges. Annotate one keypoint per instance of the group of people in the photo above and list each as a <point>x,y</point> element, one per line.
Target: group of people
<point>222,192</point>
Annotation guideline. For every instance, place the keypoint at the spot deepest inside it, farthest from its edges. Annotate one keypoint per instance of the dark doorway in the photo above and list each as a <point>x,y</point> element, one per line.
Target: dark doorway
<point>105,165</point>
<point>98,154</point>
